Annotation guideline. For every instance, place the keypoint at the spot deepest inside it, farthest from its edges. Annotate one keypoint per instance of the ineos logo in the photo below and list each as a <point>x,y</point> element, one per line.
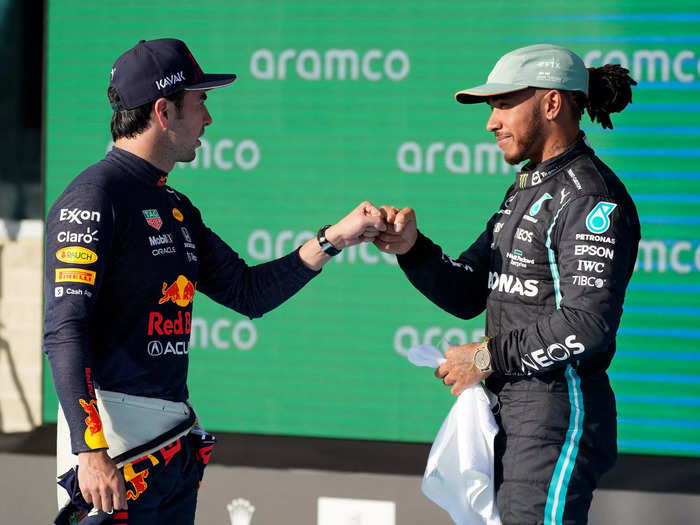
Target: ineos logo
<point>155,348</point>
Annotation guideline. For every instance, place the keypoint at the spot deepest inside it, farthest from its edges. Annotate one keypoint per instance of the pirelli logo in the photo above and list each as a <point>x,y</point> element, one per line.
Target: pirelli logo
<point>75,275</point>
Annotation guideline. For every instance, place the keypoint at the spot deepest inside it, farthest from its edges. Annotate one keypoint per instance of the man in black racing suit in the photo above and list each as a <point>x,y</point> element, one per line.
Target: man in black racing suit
<point>551,270</point>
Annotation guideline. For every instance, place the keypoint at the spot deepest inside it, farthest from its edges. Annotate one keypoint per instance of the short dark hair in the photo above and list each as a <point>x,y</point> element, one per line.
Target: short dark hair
<point>609,91</point>
<point>130,122</point>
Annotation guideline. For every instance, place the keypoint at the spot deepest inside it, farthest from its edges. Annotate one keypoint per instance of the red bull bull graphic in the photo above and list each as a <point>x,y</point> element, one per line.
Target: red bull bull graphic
<point>138,479</point>
<point>178,215</point>
<point>181,292</point>
<point>94,437</point>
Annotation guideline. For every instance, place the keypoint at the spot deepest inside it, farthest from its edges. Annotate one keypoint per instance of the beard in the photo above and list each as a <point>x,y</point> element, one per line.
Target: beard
<point>529,144</point>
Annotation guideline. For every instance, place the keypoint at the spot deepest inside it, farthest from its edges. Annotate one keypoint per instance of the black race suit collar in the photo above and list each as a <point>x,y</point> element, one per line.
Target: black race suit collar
<point>139,168</point>
<point>534,174</point>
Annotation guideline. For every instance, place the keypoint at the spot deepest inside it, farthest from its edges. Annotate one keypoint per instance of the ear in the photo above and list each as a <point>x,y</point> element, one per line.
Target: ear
<point>552,103</point>
<point>160,112</point>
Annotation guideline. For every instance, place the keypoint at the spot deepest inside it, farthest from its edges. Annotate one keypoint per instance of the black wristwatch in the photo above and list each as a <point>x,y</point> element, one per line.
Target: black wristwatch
<point>326,245</point>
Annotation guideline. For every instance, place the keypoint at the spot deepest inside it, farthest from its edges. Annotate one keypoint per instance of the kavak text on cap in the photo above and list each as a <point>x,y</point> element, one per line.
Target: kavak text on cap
<point>159,68</point>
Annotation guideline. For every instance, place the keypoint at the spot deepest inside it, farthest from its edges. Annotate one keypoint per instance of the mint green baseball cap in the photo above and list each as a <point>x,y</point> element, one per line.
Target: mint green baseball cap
<point>541,66</point>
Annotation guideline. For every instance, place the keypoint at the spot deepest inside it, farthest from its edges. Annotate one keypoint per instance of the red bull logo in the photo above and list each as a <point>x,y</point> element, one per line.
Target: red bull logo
<point>94,437</point>
<point>181,292</point>
<point>137,479</point>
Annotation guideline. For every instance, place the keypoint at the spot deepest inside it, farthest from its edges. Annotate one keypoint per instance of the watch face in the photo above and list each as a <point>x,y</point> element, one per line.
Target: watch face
<point>482,359</point>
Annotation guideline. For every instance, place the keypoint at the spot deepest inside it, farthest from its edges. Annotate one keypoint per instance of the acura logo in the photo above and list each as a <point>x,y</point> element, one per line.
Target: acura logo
<point>155,348</point>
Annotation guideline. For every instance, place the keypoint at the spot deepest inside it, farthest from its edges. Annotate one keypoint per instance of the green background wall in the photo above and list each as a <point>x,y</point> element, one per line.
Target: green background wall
<point>298,141</point>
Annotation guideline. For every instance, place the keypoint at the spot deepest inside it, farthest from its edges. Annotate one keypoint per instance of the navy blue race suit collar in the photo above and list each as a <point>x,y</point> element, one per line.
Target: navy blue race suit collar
<point>139,168</point>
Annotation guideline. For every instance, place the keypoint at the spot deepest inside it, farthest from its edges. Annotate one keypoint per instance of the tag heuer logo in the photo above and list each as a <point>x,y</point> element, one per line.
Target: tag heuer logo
<point>153,219</point>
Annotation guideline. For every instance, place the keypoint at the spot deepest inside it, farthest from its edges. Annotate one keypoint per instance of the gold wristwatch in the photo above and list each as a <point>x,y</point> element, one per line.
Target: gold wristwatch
<point>482,357</point>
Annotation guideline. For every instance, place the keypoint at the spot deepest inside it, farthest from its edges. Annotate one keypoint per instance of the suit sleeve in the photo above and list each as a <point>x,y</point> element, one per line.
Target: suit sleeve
<point>592,248</point>
<point>458,286</point>
<point>249,290</point>
<point>79,231</point>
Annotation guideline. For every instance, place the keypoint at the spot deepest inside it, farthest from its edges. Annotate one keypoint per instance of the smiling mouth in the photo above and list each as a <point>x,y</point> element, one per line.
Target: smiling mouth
<point>502,140</point>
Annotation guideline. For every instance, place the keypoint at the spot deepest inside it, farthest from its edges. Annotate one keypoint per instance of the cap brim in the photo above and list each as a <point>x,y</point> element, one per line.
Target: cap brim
<point>212,81</point>
<point>479,93</point>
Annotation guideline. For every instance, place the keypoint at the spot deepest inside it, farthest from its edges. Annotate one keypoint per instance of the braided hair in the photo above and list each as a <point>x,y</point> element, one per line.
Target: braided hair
<point>609,91</point>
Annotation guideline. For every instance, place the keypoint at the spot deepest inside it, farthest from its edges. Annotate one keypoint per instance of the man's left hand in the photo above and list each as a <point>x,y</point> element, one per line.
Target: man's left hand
<point>459,371</point>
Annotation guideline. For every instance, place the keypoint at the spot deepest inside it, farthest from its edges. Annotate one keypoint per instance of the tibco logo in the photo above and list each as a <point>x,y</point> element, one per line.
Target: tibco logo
<point>333,64</point>
<point>262,246</point>
<point>406,337</point>
<point>484,157</point>
<point>225,155</point>
<point>684,65</point>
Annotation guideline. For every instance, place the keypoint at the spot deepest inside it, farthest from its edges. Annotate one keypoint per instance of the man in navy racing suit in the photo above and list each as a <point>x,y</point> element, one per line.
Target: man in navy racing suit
<point>125,254</point>
<point>551,269</point>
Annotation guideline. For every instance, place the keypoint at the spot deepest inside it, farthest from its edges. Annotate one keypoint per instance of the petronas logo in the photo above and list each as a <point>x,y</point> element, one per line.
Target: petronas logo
<point>598,220</point>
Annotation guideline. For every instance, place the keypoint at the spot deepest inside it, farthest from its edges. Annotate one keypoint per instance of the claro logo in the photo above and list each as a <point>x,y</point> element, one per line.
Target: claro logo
<point>456,157</point>
<point>650,65</point>
<point>332,64</point>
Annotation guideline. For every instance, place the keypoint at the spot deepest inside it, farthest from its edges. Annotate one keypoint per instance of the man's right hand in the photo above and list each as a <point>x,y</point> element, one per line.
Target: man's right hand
<point>401,232</point>
<point>101,483</point>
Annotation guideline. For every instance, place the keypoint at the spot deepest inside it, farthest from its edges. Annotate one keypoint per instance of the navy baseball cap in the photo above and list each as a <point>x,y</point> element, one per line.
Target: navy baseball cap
<point>159,68</point>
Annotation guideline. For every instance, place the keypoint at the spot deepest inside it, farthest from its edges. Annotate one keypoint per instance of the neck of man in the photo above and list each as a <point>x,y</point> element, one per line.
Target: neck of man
<point>560,138</point>
<point>144,146</point>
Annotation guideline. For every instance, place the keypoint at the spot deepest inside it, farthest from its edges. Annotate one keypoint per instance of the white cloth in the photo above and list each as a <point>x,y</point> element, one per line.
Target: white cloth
<point>459,474</point>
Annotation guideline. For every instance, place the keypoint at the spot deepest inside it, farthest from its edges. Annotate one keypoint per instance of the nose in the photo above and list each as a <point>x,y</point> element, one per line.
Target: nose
<point>494,122</point>
<point>207,116</point>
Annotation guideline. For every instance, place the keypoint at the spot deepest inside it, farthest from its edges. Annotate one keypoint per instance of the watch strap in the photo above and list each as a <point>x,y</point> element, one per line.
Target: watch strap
<point>326,245</point>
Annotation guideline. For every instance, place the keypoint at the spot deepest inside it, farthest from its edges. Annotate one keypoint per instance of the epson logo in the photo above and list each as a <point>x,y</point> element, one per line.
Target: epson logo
<point>457,157</point>
<point>510,284</point>
<point>170,80</point>
<point>332,64</point>
<point>545,357</point>
<point>597,251</point>
<point>684,65</point>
